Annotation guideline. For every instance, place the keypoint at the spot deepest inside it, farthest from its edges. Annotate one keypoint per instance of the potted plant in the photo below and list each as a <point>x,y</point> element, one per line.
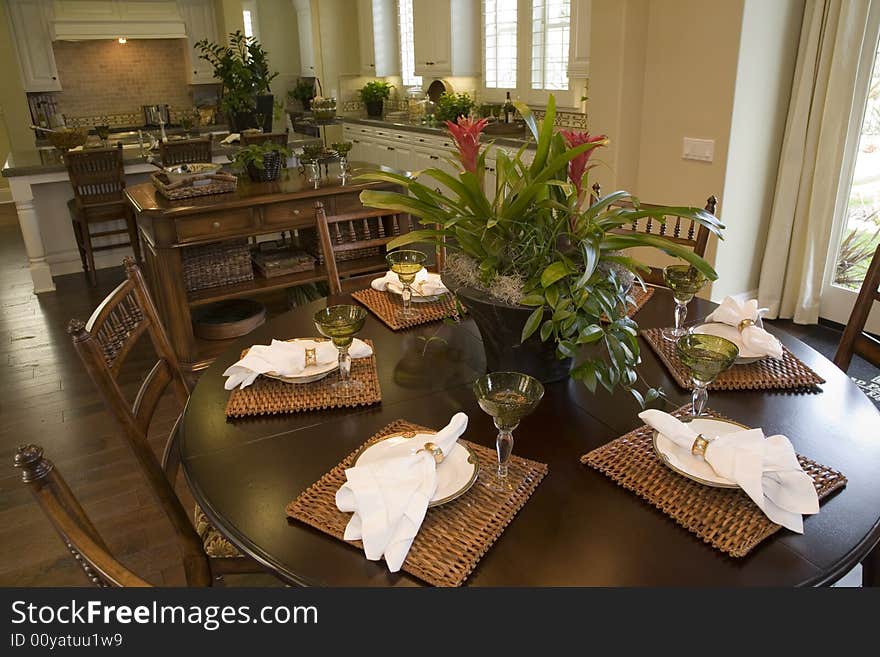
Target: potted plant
<point>243,70</point>
<point>373,95</point>
<point>452,106</point>
<point>536,262</point>
<point>304,91</point>
<point>262,162</point>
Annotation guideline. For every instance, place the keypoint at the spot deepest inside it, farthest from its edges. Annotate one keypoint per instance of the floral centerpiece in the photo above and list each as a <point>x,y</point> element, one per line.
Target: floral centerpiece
<point>538,263</point>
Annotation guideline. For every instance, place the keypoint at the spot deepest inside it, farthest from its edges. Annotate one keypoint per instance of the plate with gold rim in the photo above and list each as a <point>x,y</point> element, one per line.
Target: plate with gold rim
<point>680,460</point>
<point>309,374</point>
<point>455,475</point>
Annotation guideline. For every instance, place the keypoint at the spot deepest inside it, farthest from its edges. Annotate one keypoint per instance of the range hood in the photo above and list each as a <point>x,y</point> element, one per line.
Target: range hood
<point>111,19</point>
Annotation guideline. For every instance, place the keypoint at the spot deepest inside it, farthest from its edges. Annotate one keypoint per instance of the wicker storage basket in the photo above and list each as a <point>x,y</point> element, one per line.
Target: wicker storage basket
<point>220,263</point>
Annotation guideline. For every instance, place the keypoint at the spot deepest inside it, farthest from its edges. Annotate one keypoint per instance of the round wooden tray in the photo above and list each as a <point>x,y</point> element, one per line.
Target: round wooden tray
<point>231,318</point>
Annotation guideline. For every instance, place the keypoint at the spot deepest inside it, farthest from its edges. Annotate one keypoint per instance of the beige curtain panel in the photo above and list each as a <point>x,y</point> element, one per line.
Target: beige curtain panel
<point>834,37</point>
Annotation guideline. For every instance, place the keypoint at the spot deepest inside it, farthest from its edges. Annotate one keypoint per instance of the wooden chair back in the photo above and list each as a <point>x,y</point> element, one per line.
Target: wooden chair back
<point>677,229</point>
<point>854,339</point>
<point>70,521</point>
<point>103,343</point>
<point>185,151</point>
<point>353,231</point>
<point>97,176</point>
<point>249,138</point>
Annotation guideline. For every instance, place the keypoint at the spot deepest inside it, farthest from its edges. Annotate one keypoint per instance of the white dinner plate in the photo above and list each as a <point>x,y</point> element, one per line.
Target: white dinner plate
<point>310,373</point>
<point>455,475</point>
<point>680,459</point>
<point>731,333</point>
<point>417,297</point>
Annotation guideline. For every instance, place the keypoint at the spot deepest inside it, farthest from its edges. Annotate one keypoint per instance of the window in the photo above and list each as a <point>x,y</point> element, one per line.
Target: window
<point>407,49</point>
<point>551,20</point>
<point>249,18</point>
<point>499,39</point>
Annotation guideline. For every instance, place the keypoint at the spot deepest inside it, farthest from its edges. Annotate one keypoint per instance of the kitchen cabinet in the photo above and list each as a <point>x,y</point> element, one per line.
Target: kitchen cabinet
<point>29,20</point>
<point>198,16</point>
<point>445,37</point>
<point>307,58</point>
<point>379,38</point>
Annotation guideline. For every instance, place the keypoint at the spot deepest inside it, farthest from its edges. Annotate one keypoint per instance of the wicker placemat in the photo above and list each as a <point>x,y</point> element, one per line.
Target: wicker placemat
<point>384,305</point>
<point>270,396</point>
<point>723,517</point>
<point>454,536</point>
<point>766,374</point>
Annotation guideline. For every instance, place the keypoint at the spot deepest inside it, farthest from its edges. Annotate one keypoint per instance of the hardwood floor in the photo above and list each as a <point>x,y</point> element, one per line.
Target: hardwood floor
<point>48,399</point>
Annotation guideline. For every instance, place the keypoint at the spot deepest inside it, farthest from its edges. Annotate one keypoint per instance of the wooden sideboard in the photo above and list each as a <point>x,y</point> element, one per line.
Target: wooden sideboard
<point>288,204</point>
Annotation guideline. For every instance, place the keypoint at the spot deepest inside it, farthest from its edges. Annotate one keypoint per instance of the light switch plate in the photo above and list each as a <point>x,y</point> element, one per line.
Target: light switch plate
<point>702,150</point>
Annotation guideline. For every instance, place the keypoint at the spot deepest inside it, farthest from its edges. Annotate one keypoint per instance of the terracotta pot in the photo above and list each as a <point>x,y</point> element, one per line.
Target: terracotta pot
<point>500,327</point>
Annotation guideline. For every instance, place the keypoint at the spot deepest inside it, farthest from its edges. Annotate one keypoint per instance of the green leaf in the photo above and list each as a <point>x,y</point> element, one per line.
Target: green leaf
<point>592,333</point>
<point>553,273</point>
<point>413,237</point>
<point>532,300</point>
<point>552,295</point>
<point>546,330</point>
<point>545,137</point>
<point>532,323</point>
<point>615,242</point>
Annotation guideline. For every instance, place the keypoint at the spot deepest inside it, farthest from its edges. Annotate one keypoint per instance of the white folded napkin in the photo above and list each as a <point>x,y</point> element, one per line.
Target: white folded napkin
<point>427,284</point>
<point>389,497</point>
<point>231,138</point>
<point>286,359</point>
<point>767,469</point>
<point>755,338</point>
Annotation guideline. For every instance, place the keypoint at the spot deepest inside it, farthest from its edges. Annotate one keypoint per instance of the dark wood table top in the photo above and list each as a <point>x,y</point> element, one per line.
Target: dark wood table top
<point>291,185</point>
<point>579,528</point>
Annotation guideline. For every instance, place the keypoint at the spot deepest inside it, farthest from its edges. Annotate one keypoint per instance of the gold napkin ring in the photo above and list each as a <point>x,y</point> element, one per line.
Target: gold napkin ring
<point>311,356</point>
<point>699,446</point>
<point>745,324</point>
<point>435,451</point>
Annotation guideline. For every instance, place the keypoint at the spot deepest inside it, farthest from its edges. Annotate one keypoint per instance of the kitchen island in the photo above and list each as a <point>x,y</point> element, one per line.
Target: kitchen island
<point>168,229</point>
<point>41,189</point>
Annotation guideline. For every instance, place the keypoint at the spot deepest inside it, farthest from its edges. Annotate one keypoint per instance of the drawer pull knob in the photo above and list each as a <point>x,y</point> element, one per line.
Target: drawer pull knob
<point>216,224</point>
<point>296,212</point>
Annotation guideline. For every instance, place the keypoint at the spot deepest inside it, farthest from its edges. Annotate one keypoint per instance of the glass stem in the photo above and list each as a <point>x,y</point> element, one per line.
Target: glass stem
<point>504,447</point>
<point>681,311</point>
<point>699,398</point>
<point>344,364</point>
<point>407,297</point>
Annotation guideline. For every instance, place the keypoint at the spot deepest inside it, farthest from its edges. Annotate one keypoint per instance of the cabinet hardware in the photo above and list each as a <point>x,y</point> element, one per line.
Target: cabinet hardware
<point>390,148</point>
<point>296,212</point>
<point>216,224</point>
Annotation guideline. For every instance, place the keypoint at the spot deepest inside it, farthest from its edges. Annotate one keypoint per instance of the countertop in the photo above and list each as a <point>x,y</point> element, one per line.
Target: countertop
<point>499,140</point>
<point>48,160</point>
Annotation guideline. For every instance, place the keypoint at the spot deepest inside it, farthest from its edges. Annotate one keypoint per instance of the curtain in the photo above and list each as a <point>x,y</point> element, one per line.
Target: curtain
<point>834,36</point>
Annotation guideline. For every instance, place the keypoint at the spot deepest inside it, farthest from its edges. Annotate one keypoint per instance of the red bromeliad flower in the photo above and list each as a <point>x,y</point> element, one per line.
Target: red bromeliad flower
<point>578,166</point>
<point>466,133</point>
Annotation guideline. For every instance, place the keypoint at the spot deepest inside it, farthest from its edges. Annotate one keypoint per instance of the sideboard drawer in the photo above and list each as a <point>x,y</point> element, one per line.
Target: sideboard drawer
<point>215,224</point>
<point>290,212</point>
<point>348,203</point>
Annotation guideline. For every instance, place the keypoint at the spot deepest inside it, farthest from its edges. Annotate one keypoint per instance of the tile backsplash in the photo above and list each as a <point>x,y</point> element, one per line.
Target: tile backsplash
<point>110,80</point>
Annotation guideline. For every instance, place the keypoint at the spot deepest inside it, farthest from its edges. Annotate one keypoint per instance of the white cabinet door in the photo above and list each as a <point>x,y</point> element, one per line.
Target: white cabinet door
<point>445,37</point>
<point>198,16</point>
<point>33,44</point>
<point>365,37</point>
<point>308,62</point>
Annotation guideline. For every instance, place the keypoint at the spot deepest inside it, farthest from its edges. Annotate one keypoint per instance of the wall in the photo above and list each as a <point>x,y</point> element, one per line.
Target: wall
<point>106,77</point>
<point>14,114</point>
<point>767,56</point>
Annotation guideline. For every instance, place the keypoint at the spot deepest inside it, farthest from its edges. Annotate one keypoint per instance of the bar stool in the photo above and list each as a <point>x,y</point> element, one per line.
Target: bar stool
<point>185,151</point>
<point>98,179</point>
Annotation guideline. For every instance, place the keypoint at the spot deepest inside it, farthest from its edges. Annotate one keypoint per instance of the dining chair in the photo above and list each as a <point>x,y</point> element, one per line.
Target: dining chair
<point>353,244</point>
<point>103,343</point>
<point>98,179</point>
<point>854,339</point>
<point>185,151</point>
<point>280,138</point>
<point>675,228</point>
<point>71,522</point>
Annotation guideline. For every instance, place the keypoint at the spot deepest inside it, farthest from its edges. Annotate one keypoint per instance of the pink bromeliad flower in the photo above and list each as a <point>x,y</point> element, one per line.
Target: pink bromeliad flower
<point>466,134</point>
<point>578,166</point>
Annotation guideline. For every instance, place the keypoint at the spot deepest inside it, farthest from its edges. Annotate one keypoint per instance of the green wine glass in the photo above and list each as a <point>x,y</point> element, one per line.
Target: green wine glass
<point>507,397</point>
<point>406,264</point>
<point>705,356</point>
<point>684,281</point>
<point>340,324</point>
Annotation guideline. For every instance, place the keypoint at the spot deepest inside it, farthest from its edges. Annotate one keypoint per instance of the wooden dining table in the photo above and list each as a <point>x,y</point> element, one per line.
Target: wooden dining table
<point>579,527</point>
